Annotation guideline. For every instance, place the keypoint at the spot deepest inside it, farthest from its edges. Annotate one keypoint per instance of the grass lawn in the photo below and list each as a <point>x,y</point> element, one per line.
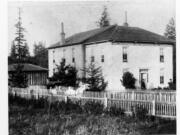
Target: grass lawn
<point>27,121</point>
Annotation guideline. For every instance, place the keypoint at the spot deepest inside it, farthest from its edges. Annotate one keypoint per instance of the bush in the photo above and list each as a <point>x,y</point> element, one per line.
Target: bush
<point>92,107</point>
<point>128,80</point>
<point>140,112</point>
<point>114,111</point>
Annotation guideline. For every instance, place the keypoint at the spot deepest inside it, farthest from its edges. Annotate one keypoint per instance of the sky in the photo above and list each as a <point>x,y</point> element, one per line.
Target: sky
<point>42,20</point>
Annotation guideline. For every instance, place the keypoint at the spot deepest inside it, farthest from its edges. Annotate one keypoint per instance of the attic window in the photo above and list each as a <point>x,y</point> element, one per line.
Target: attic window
<point>161,55</point>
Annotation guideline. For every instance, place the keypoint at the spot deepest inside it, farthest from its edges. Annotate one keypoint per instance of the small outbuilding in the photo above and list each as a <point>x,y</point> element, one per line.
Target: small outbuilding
<point>36,75</point>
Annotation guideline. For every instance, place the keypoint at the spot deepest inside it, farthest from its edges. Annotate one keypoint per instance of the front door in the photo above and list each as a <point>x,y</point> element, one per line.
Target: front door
<point>143,78</point>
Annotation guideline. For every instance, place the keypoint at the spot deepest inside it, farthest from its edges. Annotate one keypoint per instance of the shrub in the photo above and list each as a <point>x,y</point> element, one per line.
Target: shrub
<point>128,80</point>
<point>66,75</point>
<point>140,112</point>
<point>114,111</point>
<point>92,107</point>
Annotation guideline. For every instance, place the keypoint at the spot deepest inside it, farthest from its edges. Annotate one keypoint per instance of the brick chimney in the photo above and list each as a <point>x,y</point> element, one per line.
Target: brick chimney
<point>62,34</point>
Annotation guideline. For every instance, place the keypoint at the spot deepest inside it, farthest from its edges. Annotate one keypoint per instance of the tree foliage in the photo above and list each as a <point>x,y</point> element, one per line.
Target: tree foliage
<point>95,78</point>
<point>65,75</point>
<point>19,49</point>
<point>128,80</point>
<point>104,20</point>
<point>170,31</point>
<point>18,78</point>
<point>40,54</point>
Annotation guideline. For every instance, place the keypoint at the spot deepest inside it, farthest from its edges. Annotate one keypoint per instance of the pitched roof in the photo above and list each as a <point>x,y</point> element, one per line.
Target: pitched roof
<point>115,33</point>
<point>27,67</point>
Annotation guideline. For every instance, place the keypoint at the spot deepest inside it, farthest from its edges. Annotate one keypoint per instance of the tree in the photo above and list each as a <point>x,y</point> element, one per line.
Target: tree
<point>40,54</point>
<point>170,33</point>
<point>20,41</point>
<point>19,78</point>
<point>65,75</point>
<point>128,80</point>
<point>104,20</point>
<point>95,78</point>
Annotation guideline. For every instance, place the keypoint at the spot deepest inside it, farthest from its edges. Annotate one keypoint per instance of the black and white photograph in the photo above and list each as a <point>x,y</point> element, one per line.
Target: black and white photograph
<point>91,67</point>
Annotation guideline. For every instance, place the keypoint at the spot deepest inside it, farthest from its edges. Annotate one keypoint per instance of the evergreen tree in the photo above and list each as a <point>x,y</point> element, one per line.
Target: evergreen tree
<point>19,78</point>
<point>21,52</point>
<point>104,20</point>
<point>20,41</point>
<point>65,75</point>
<point>95,78</point>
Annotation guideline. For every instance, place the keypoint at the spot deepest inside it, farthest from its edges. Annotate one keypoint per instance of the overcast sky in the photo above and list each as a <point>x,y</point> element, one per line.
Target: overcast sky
<point>42,19</point>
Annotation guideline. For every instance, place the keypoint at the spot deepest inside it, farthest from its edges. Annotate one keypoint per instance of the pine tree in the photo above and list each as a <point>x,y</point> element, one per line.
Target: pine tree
<point>21,52</point>
<point>21,45</point>
<point>95,78</point>
<point>104,20</point>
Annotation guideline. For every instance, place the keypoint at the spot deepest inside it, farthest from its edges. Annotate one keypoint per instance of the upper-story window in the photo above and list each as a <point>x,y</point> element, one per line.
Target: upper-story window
<point>125,59</point>
<point>102,58</point>
<point>161,54</point>
<point>92,59</point>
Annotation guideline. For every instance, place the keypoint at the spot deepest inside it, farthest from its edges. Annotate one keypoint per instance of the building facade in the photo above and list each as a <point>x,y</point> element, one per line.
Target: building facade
<point>118,49</point>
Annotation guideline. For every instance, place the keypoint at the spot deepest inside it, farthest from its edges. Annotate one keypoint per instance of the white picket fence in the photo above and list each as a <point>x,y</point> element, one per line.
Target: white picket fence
<point>162,104</point>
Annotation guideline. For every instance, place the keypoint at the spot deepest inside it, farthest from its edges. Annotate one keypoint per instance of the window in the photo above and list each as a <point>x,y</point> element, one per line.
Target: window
<point>125,54</point>
<point>53,61</point>
<point>73,59</point>
<point>161,76</point>
<point>92,59</point>
<point>102,58</point>
<point>64,60</point>
<point>161,55</point>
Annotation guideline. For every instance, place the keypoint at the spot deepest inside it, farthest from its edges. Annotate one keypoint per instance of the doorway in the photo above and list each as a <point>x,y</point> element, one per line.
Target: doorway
<point>143,77</point>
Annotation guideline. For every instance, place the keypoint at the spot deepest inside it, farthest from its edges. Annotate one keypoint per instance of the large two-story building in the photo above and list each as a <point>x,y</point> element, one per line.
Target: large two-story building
<point>117,49</point>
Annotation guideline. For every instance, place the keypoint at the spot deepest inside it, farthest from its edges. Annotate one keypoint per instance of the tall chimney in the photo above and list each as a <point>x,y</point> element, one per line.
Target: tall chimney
<point>62,34</point>
<point>125,23</point>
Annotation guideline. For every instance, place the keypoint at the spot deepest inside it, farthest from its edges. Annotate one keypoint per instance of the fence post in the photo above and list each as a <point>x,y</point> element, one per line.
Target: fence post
<point>153,108</point>
<point>105,102</point>
<point>133,96</point>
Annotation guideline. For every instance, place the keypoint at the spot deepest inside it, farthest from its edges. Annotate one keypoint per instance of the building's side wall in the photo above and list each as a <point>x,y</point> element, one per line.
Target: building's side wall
<point>140,56</point>
<point>68,53</point>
